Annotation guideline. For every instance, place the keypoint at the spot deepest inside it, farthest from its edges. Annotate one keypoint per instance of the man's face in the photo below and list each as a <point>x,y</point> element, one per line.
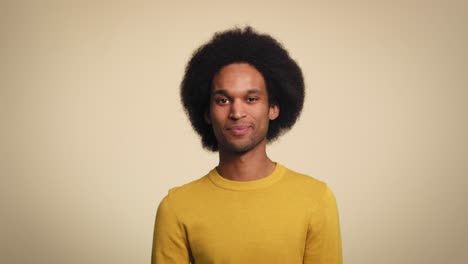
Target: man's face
<point>239,108</point>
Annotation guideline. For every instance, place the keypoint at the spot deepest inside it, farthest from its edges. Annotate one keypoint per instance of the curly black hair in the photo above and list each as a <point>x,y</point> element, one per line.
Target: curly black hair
<point>283,78</point>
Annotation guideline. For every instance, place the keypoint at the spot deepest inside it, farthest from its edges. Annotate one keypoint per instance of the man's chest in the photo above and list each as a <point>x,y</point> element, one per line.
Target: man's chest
<point>251,229</point>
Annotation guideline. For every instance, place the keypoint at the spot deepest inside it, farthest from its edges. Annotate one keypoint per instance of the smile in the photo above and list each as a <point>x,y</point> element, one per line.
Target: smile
<point>238,130</point>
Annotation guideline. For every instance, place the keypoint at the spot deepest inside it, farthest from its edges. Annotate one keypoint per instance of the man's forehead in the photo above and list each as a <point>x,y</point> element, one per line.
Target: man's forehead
<point>222,91</point>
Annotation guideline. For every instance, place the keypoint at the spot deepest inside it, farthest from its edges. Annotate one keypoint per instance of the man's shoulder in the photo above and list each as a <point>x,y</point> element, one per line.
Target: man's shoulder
<point>189,188</point>
<point>301,181</point>
<point>303,178</point>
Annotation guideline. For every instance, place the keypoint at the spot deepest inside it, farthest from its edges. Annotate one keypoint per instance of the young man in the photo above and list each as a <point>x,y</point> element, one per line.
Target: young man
<point>240,91</point>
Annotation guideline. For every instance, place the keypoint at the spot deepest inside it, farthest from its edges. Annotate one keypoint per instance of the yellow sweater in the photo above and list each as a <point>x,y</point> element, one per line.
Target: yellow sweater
<point>285,218</point>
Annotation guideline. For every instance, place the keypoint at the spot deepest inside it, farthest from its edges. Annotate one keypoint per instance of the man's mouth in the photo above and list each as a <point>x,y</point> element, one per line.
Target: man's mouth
<point>239,130</point>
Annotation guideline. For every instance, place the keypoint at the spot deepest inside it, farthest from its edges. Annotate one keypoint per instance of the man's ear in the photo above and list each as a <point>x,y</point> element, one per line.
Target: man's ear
<point>207,117</point>
<point>274,111</point>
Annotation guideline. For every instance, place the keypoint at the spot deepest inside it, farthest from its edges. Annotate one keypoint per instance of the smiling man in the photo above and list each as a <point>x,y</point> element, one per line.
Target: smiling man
<point>242,90</point>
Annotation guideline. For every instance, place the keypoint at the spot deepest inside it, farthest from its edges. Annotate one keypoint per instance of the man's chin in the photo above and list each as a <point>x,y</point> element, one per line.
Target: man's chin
<point>236,149</point>
<point>239,147</point>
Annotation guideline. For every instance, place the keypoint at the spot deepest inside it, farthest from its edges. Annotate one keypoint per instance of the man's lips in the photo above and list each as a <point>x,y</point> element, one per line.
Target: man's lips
<point>238,130</point>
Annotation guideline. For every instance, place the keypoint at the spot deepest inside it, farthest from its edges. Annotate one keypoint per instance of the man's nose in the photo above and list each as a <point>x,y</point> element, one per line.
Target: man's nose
<point>237,110</point>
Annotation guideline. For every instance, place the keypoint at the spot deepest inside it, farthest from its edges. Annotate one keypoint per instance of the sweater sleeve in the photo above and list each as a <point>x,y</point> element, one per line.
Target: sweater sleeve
<point>323,243</point>
<point>169,240</point>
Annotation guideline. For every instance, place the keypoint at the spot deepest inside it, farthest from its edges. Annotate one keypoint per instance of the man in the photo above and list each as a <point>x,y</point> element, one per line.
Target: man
<point>240,91</point>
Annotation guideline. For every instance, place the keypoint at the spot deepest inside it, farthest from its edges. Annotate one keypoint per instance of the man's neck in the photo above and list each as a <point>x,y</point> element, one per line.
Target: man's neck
<point>248,166</point>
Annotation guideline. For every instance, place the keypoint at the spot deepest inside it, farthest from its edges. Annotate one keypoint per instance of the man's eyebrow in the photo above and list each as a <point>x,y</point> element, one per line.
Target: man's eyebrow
<point>254,91</point>
<point>219,91</point>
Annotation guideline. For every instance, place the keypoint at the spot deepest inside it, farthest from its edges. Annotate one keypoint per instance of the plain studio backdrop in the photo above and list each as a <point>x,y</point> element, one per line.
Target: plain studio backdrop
<point>93,132</point>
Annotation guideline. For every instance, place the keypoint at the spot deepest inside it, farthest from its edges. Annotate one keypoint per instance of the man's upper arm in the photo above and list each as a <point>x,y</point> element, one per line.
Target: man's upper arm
<point>323,244</point>
<point>169,241</point>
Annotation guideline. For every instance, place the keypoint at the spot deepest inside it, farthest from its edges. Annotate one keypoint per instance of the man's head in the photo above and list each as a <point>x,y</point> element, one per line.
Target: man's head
<point>240,111</point>
<point>233,53</point>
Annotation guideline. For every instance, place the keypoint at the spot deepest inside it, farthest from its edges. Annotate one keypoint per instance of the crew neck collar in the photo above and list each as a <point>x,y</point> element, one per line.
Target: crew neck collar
<point>222,182</point>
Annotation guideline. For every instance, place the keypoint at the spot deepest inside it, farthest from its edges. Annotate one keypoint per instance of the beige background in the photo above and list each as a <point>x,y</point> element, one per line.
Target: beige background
<point>93,134</point>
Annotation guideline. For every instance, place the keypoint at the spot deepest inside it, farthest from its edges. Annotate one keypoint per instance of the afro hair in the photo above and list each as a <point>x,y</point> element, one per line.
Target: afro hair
<point>283,78</point>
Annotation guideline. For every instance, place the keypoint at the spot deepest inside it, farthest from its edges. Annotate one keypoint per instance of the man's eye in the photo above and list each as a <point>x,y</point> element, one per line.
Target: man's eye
<point>222,101</point>
<point>252,99</point>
